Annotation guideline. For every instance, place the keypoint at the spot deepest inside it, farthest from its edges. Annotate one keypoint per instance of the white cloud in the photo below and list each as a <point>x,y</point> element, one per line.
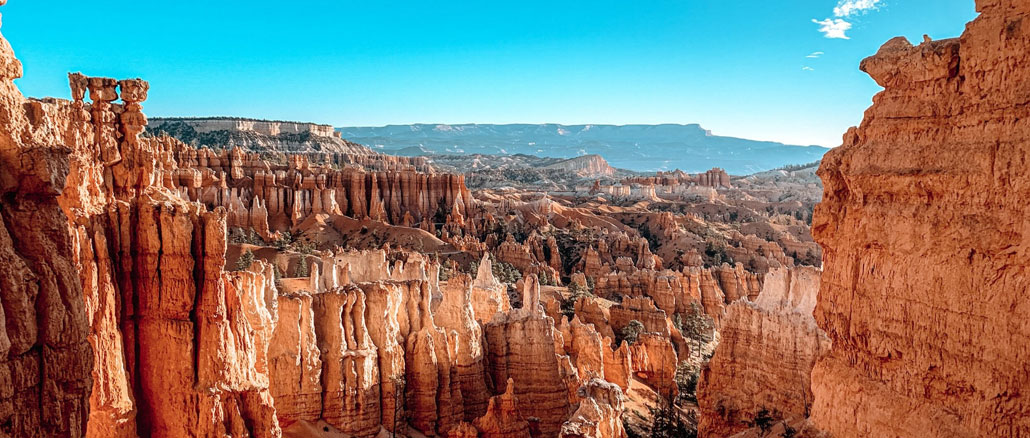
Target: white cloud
<point>814,55</point>
<point>847,8</point>
<point>807,68</point>
<point>833,27</point>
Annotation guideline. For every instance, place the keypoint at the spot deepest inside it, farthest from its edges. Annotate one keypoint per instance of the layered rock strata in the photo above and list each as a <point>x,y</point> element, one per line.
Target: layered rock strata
<point>923,223</point>
<point>765,356</point>
<point>521,347</point>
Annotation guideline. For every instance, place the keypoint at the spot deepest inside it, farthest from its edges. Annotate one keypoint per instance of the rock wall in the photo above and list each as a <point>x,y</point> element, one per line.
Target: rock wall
<point>765,356</point>
<point>45,356</point>
<point>278,197</point>
<point>521,347</point>
<point>256,135</point>
<point>599,414</point>
<point>262,127</point>
<point>586,166</point>
<point>924,227</point>
<point>675,291</point>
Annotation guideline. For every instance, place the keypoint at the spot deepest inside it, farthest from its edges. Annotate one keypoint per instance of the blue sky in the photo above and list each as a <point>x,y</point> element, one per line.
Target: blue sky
<point>739,68</point>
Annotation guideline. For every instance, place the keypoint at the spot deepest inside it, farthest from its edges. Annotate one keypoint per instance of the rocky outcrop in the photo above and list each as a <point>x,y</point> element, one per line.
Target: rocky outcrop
<point>256,135</point>
<point>537,255</point>
<point>675,292</point>
<point>351,377</point>
<point>503,418</point>
<point>147,281</point>
<point>456,314</point>
<point>586,166</point>
<point>521,347</point>
<point>46,362</point>
<point>923,224</point>
<point>126,240</point>
<point>489,296</point>
<point>654,360</point>
<point>279,197</point>
<point>714,177</point>
<point>599,414</point>
<point>295,361</point>
<point>639,309</point>
<point>765,356</point>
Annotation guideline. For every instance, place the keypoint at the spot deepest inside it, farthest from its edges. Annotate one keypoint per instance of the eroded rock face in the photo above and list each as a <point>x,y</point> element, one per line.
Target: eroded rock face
<point>599,414</point>
<point>351,376</point>
<point>489,296</point>
<point>456,313</point>
<point>923,223</point>
<point>147,283</point>
<point>503,418</point>
<point>521,347</point>
<point>765,357</point>
<point>295,361</point>
<point>278,197</point>
<point>654,360</point>
<point>45,356</point>
<point>128,263</point>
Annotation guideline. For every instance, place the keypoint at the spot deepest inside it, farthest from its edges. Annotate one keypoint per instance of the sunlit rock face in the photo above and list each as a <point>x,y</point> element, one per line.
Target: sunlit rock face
<point>110,268</point>
<point>924,225</point>
<point>46,360</point>
<point>765,356</point>
<point>521,347</point>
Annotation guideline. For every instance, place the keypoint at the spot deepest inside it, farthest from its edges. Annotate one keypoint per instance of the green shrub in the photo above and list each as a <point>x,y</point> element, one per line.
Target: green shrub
<point>244,261</point>
<point>630,333</point>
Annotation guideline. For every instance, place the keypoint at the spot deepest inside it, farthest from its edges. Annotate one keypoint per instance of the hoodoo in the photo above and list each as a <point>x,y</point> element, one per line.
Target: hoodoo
<point>236,277</point>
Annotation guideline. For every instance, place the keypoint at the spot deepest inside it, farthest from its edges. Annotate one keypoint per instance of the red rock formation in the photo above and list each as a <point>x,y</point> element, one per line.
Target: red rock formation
<point>351,377</point>
<point>463,430</point>
<point>586,349</point>
<point>520,346</point>
<point>531,257</point>
<point>599,414</point>
<point>151,285</point>
<point>654,361</point>
<point>503,418</point>
<point>596,311</point>
<point>456,313</point>
<point>586,166</point>
<point>640,309</point>
<point>150,273</point>
<point>715,177</point>
<point>670,290</point>
<point>618,365</point>
<point>489,296</point>
<point>295,365</point>
<point>923,223</point>
<point>765,356</point>
<point>45,356</point>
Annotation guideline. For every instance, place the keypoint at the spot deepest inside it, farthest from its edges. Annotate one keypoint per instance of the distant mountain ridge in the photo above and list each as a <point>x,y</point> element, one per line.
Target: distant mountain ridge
<point>643,148</point>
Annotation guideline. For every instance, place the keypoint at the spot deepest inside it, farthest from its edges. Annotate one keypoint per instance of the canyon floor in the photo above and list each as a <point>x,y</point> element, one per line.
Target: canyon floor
<point>230,277</point>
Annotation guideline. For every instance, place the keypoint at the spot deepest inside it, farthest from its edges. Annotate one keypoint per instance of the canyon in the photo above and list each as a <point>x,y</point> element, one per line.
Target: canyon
<point>183,277</point>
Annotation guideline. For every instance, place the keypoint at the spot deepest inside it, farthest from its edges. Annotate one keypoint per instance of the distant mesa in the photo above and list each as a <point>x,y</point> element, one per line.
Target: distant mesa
<point>254,134</point>
<point>641,148</point>
<point>586,166</point>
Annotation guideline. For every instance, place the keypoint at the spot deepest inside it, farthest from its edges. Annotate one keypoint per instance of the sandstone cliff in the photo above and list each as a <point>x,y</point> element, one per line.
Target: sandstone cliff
<point>923,223</point>
<point>520,346</point>
<point>765,356</point>
<point>45,356</point>
<point>256,135</point>
<point>587,166</point>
